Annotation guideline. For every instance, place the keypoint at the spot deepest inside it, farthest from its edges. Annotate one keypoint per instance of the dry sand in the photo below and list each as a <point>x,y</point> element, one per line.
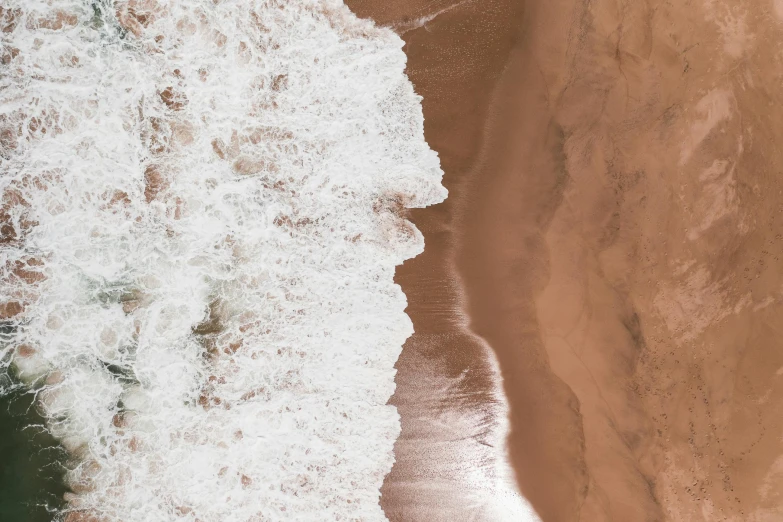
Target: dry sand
<point>616,217</point>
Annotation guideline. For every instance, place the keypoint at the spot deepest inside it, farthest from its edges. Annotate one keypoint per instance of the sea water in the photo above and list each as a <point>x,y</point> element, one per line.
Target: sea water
<point>202,209</point>
<point>31,471</point>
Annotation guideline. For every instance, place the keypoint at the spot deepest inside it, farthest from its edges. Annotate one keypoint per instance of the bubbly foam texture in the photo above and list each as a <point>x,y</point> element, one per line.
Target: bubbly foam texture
<point>202,210</point>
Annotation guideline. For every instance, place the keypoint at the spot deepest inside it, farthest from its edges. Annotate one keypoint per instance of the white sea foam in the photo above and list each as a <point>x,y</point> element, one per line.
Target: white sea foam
<point>201,220</point>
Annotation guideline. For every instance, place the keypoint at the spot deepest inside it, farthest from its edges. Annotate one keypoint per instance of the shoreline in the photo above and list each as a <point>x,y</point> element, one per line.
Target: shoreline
<point>597,311</point>
<point>452,410</point>
<point>613,216</point>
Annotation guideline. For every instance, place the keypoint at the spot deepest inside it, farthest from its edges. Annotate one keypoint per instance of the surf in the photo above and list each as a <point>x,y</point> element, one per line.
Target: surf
<point>203,205</point>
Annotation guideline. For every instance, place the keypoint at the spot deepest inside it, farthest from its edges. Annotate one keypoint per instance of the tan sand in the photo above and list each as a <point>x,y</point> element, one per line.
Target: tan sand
<point>615,215</point>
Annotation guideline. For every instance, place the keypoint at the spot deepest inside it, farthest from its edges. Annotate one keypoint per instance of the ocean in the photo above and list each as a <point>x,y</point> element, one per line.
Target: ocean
<point>203,205</point>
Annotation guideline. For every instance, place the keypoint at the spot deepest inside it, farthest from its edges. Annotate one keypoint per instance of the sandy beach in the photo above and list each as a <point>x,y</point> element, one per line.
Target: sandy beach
<point>614,223</point>
<point>207,331</point>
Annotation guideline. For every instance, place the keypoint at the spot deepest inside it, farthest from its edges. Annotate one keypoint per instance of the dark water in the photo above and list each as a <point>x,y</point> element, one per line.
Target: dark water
<point>31,478</point>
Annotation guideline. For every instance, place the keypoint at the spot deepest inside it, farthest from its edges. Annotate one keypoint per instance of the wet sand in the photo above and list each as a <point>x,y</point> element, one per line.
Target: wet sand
<point>445,382</point>
<point>615,225</point>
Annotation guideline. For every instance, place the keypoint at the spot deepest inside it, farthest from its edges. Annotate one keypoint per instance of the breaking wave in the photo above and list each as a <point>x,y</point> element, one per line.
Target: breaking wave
<point>202,210</point>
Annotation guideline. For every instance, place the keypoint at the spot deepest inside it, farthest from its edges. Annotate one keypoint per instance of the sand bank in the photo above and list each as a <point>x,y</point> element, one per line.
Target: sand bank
<point>615,216</point>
